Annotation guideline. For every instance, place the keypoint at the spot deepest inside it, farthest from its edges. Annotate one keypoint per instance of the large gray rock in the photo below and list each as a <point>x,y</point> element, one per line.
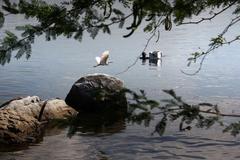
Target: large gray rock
<point>19,119</point>
<point>97,92</point>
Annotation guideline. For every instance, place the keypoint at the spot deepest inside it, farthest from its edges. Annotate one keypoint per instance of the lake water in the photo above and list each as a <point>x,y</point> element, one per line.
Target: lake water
<point>54,66</point>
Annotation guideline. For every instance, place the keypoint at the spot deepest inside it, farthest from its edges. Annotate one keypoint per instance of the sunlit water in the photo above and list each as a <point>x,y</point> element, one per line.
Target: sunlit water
<point>54,66</point>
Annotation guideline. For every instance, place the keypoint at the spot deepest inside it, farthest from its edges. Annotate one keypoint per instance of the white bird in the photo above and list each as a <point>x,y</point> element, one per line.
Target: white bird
<point>103,60</point>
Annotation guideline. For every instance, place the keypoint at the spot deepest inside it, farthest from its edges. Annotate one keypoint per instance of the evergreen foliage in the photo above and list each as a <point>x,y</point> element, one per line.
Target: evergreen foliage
<point>187,116</point>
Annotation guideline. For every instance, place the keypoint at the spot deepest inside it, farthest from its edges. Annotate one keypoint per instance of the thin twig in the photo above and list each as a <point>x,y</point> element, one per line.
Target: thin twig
<point>233,40</point>
<point>138,57</point>
<point>145,47</point>
<point>114,22</point>
<point>209,18</point>
<point>233,21</point>
<point>202,111</point>
<point>220,114</point>
<point>213,47</point>
<point>199,68</point>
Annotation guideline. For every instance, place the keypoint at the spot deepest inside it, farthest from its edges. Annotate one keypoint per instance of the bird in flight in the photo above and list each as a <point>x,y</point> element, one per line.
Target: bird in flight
<point>103,60</point>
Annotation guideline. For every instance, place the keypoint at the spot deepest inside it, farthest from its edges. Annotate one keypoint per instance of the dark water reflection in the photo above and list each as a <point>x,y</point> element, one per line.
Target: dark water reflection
<point>152,62</point>
<point>101,137</point>
<point>96,124</point>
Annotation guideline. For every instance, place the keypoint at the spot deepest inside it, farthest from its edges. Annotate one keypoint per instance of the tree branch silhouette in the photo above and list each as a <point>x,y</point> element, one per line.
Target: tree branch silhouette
<point>153,34</point>
<point>209,18</point>
<point>215,43</point>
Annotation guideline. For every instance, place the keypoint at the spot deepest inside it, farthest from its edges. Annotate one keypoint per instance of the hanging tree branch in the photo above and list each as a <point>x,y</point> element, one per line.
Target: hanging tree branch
<point>209,18</point>
<point>153,34</point>
<point>187,116</point>
<point>215,43</point>
<point>51,23</point>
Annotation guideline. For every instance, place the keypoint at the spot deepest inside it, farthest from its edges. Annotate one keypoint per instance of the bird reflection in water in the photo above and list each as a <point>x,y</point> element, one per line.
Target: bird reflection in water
<point>155,62</point>
<point>154,58</point>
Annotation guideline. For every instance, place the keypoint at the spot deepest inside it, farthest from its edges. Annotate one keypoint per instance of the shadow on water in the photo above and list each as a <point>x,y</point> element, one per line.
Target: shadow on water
<point>133,146</point>
<point>10,148</point>
<point>83,124</point>
<point>97,124</point>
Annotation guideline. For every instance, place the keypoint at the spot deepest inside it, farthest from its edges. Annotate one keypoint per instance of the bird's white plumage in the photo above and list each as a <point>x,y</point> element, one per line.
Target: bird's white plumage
<point>98,59</point>
<point>103,60</point>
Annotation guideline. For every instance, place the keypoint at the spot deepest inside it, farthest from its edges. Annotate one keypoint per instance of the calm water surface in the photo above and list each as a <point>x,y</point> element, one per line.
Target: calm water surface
<point>56,65</point>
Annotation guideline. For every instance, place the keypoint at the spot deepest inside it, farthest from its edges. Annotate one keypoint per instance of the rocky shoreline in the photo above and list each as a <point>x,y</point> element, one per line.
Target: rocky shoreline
<point>19,119</point>
<point>22,120</point>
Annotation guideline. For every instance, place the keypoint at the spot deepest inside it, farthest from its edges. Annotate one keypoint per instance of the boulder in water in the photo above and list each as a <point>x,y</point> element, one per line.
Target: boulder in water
<point>97,92</point>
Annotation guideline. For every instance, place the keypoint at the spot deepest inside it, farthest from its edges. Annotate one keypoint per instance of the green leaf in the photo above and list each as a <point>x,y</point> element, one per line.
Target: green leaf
<point>7,2</point>
<point>79,34</point>
<point>106,29</point>
<point>121,23</point>
<point>11,35</point>
<point>10,9</point>
<point>93,32</point>
<point>28,50</point>
<point>149,27</point>
<point>118,12</point>
<point>5,57</point>
<point>206,104</point>
<point>114,19</point>
<point>161,126</point>
<point>237,10</point>
<point>20,28</point>
<point>20,53</point>
<point>152,103</point>
<point>2,19</point>
<point>9,40</point>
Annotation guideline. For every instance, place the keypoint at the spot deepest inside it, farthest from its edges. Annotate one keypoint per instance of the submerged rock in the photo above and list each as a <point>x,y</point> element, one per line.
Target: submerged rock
<point>97,92</point>
<point>19,122</point>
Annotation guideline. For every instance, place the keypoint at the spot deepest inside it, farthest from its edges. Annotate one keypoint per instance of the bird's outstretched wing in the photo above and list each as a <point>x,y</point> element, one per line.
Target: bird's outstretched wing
<point>104,57</point>
<point>98,59</point>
